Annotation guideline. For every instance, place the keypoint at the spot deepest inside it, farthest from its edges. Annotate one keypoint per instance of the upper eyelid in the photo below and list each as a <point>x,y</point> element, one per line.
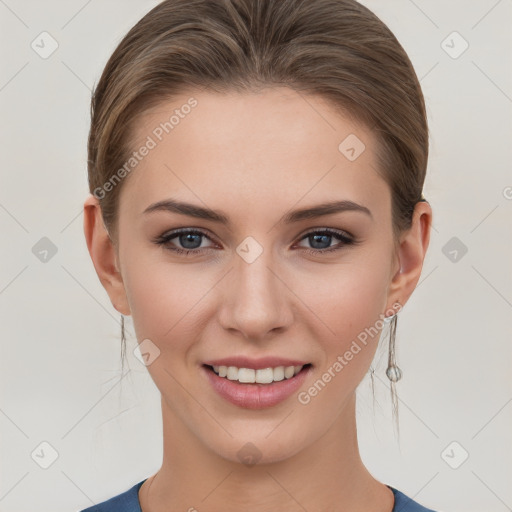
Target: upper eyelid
<point>174,233</point>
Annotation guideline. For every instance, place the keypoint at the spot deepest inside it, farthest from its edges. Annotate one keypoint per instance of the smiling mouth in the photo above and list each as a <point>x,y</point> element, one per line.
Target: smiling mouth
<point>263,376</point>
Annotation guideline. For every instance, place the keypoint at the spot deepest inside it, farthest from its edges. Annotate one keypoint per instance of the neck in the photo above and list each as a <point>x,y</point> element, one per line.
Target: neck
<point>326,475</point>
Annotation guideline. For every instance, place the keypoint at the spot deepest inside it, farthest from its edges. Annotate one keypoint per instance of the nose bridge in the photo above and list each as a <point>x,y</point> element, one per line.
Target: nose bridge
<point>256,299</point>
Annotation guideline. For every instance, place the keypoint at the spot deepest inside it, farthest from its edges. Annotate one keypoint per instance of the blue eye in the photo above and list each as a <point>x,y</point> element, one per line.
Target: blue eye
<point>190,240</point>
<point>325,236</point>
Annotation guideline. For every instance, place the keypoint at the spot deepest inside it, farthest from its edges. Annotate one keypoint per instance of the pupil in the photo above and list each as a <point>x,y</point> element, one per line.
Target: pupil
<point>326,239</point>
<point>185,239</point>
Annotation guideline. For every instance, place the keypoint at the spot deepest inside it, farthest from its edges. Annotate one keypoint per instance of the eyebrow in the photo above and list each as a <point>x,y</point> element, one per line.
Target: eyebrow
<point>199,212</point>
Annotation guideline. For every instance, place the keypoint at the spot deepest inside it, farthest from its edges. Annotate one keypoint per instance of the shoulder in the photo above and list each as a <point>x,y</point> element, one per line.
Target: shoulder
<point>127,501</point>
<point>405,504</point>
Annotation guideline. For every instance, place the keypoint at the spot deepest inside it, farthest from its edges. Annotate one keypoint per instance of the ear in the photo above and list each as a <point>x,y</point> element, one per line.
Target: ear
<point>103,255</point>
<point>411,254</point>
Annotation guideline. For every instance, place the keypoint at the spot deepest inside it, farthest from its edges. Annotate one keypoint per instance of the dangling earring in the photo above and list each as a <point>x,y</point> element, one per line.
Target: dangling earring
<point>123,335</point>
<point>393,372</point>
<point>123,345</point>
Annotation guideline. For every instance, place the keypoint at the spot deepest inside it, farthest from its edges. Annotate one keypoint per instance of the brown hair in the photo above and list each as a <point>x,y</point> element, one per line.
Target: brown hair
<point>337,49</point>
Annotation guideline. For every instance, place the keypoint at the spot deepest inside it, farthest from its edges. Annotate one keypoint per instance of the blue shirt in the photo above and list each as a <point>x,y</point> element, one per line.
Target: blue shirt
<point>128,501</point>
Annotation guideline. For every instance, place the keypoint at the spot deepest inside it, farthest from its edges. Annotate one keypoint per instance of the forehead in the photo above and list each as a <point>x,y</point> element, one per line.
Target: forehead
<point>273,147</point>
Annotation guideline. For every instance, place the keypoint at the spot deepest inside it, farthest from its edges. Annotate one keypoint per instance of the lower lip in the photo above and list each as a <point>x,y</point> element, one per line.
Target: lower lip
<point>255,396</point>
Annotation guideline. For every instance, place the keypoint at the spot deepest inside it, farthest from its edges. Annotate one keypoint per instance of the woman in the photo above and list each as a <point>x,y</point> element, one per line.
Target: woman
<point>256,171</point>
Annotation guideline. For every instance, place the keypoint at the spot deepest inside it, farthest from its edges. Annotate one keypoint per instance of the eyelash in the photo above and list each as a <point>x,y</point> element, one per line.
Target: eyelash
<point>166,238</point>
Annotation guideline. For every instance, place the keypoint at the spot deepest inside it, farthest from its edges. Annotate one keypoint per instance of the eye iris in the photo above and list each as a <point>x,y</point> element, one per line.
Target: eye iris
<point>189,237</point>
<point>320,238</point>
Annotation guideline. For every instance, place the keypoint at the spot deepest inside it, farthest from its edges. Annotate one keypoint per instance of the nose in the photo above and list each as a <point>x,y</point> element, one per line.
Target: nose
<point>256,299</point>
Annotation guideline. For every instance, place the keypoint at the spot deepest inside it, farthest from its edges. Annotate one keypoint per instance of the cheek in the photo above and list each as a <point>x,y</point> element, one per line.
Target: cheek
<point>165,299</point>
<point>346,299</point>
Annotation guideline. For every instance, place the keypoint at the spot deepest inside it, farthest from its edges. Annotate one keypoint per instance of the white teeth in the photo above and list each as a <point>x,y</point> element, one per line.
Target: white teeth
<point>279,373</point>
<point>260,376</point>
<point>263,375</point>
<point>246,375</point>
<point>232,373</point>
<point>289,371</point>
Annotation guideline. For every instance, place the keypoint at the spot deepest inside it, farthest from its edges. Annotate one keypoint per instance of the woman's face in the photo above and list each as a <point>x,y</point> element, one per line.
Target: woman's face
<point>252,284</point>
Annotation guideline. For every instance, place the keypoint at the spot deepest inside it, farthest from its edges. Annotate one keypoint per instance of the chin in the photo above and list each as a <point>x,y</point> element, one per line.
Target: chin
<point>261,448</point>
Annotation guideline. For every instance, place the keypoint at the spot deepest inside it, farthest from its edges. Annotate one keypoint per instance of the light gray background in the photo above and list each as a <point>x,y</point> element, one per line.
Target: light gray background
<point>60,362</point>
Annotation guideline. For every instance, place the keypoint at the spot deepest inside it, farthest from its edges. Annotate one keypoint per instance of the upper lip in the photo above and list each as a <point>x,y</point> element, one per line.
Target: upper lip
<point>255,364</point>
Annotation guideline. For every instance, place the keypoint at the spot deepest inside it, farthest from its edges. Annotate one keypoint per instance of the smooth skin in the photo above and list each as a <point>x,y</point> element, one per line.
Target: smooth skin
<point>255,157</point>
